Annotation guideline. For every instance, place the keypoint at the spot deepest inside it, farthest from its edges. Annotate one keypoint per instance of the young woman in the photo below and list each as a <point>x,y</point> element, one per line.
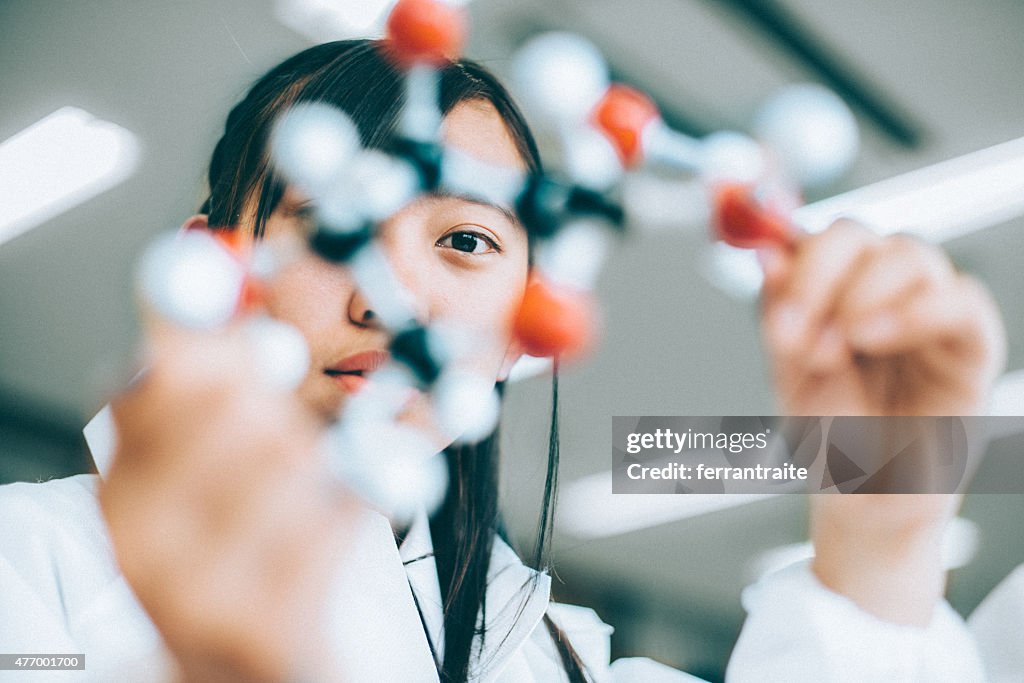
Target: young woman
<point>217,529</point>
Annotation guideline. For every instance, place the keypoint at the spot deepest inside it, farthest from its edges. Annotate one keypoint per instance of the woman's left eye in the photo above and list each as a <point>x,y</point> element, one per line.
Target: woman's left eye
<point>468,242</point>
<point>304,216</point>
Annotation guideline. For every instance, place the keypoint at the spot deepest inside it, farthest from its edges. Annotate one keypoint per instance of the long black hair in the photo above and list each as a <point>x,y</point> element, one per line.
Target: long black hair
<point>357,77</point>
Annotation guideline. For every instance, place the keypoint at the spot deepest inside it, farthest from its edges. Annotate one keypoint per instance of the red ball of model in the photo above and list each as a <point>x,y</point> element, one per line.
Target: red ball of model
<point>426,31</point>
<point>623,114</point>
<point>234,241</point>
<point>554,321</point>
<point>252,297</point>
<point>741,221</point>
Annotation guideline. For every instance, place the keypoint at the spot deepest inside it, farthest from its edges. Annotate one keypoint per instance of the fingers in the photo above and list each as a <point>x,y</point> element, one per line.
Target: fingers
<point>220,461</point>
<point>187,374</point>
<point>958,314</point>
<point>898,268</point>
<point>802,290</point>
<point>839,307</point>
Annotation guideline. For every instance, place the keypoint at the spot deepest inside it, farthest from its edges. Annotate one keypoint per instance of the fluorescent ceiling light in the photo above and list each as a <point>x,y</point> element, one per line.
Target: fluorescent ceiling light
<point>58,162</point>
<point>324,20</point>
<point>938,202</point>
<point>589,509</point>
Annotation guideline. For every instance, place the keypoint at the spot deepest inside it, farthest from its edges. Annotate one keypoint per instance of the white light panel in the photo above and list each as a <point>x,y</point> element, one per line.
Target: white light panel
<point>59,162</point>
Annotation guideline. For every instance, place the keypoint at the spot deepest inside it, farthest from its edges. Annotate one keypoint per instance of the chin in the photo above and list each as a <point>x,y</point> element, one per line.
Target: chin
<point>326,402</point>
<point>329,403</point>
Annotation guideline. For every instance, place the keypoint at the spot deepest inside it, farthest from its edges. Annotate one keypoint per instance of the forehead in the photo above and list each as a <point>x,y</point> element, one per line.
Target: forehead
<point>476,128</point>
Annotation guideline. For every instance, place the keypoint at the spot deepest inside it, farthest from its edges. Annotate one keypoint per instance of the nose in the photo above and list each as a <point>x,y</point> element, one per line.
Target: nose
<point>359,311</point>
<point>396,275</point>
<point>407,304</point>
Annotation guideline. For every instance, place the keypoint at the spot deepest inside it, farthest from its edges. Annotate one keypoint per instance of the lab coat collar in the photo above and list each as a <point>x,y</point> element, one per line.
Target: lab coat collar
<point>417,553</point>
<point>101,438</point>
<point>517,599</point>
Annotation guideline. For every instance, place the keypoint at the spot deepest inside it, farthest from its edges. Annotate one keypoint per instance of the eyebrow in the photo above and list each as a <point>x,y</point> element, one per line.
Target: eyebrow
<point>442,193</point>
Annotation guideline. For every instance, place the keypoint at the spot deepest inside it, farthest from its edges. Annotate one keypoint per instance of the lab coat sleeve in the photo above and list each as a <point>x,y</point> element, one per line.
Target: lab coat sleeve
<point>60,590</point>
<point>32,620</point>
<point>31,614</point>
<point>27,623</point>
<point>799,631</point>
<point>996,625</point>
<point>591,639</point>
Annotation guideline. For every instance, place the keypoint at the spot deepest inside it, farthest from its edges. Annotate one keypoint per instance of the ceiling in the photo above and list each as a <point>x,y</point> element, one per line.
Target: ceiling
<point>672,343</point>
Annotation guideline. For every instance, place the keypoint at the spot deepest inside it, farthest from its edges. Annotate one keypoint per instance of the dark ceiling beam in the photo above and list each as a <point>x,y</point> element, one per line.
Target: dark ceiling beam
<point>796,36</point>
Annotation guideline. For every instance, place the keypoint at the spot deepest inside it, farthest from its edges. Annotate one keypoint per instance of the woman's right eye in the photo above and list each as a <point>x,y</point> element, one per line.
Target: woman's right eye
<point>468,242</point>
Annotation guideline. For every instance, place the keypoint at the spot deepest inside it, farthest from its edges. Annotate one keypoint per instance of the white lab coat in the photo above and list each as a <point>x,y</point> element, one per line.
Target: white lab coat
<point>61,592</point>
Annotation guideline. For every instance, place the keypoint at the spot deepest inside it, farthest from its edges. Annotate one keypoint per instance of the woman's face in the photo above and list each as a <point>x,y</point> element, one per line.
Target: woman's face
<point>464,262</point>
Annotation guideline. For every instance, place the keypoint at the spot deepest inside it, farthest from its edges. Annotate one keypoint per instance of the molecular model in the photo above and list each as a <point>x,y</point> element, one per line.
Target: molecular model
<point>605,131</point>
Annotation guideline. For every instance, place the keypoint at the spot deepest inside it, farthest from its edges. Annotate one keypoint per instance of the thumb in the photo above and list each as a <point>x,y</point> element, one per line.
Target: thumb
<point>776,262</point>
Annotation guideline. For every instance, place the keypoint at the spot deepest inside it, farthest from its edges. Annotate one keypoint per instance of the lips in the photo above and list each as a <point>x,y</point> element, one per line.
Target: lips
<point>351,372</point>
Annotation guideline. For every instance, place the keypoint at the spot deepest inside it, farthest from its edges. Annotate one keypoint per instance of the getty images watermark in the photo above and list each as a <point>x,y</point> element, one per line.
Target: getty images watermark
<point>817,454</point>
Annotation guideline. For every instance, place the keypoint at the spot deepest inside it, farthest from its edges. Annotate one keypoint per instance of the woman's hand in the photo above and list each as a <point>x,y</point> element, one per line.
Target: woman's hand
<point>221,511</point>
<point>857,324</point>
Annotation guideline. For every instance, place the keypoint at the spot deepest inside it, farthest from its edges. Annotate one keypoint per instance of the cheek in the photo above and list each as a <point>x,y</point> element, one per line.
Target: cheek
<point>484,304</point>
<point>308,294</point>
